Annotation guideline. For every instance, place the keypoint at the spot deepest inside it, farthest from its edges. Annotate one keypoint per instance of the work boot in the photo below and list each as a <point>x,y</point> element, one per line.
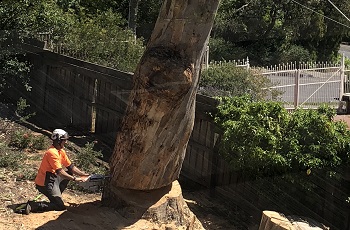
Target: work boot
<point>32,206</point>
<point>27,208</point>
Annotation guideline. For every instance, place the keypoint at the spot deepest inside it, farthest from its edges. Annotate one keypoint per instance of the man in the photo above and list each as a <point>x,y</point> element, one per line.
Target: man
<point>52,179</point>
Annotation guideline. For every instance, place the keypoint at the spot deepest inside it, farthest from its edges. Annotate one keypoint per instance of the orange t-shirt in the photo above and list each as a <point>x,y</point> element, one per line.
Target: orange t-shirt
<point>53,159</point>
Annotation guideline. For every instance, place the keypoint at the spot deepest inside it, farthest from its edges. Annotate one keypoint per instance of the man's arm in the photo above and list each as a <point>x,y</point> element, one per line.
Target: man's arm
<point>78,172</point>
<point>82,176</point>
<point>64,174</point>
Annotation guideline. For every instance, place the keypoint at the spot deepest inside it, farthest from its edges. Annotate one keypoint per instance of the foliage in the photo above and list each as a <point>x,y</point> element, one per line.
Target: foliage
<point>14,160</point>
<point>21,110</point>
<point>87,7</point>
<point>87,159</point>
<point>20,139</point>
<point>16,20</point>
<point>23,139</point>
<point>226,79</point>
<point>94,34</point>
<point>295,54</point>
<point>10,158</point>
<point>39,142</point>
<point>262,138</point>
<point>26,173</point>
<point>221,50</point>
<point>14,72</point>
<point>267,29</point>
<point>101,40</point>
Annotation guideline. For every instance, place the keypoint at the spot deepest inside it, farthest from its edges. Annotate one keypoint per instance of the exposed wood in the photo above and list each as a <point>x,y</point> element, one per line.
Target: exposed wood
<point>151,144</point>
<point>164,207</point>
<point>272,220</point>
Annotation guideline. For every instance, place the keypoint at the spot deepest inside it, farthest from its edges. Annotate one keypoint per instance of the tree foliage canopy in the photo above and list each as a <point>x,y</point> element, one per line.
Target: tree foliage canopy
<point>268,29</point>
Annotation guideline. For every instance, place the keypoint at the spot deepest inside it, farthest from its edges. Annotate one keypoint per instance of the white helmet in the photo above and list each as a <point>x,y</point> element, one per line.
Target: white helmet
<point>59,134</point>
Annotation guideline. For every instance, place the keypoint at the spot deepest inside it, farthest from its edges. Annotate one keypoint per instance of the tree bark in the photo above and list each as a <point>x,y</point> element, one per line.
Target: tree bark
<point>150,146</point>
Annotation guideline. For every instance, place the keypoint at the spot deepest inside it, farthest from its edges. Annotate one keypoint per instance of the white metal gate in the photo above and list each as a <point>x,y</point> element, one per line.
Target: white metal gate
<point>307,85</point>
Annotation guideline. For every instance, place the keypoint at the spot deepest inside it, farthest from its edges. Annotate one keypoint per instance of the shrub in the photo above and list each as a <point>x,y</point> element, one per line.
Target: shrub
<point>22,109</point>
<point>26,174</point>
<point>221,50</point>
<point>228,80</point>
<point>262,138</point>
<point>101,40</point>
<point>39,142</point>
<point>295,53</point>
<point>11,159</point>
<point>20,139</point>
<point>88,159</point>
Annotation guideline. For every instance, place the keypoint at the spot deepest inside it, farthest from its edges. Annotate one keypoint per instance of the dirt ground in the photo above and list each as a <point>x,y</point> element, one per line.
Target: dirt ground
<point>84,210</point>
<point>345,118</point>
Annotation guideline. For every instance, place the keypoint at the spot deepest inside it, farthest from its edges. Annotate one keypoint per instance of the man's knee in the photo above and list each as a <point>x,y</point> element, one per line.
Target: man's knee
<point>58,203</point>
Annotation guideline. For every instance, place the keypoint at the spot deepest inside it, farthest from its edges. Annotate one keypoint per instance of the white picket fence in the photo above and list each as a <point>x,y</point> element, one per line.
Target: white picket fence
<point>306,85</point>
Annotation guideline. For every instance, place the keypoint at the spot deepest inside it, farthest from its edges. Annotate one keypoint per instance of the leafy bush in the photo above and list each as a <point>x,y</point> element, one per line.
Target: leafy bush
<point>221,50</point>
<point>262,138</point>
<point>101,40</point>
<point>26,174</point>
<point>295,54</point>
<point>39,142</point>
<point>22,109</point>
<point>10,158</point>
<point>22,139</point>
<point>228,80</point>
<point>14,70</point>
<point>88,159</point>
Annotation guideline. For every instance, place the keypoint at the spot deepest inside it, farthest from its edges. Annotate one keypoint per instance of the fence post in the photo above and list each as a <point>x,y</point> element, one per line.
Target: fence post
<point>296,88</point>
<point>342,77</point>
<point>93,107</point>
<point>214,161</point>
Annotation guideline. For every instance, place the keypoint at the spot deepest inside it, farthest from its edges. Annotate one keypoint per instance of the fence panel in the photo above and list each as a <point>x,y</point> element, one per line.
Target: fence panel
<point>199,153</point>
<point>111,102</point>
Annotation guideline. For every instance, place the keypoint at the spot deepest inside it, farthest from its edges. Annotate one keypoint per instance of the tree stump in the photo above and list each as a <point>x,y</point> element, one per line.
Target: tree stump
<point>163,207</point>
<point>271,220</point>
<point>274,220</point>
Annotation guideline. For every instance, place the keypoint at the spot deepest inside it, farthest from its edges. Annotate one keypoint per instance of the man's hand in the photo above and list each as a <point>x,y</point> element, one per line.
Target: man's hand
<point>82,178</point>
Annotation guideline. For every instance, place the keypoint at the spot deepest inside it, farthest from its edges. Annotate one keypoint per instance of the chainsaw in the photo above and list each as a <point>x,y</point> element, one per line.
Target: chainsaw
<point>94,183</point>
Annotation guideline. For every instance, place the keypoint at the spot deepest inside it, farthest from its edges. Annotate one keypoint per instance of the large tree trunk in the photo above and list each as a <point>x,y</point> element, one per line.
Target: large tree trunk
<point>150,147</point>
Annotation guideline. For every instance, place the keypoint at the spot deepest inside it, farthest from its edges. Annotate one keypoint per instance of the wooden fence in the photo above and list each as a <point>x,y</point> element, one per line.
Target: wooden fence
<point>92,98</point>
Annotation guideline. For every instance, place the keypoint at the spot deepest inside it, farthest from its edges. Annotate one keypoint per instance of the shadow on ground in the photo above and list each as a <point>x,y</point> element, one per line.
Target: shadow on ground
<point>91,215</point>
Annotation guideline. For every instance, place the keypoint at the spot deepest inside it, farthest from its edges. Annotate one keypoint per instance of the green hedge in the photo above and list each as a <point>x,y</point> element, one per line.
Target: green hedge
<point>262,138</point>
